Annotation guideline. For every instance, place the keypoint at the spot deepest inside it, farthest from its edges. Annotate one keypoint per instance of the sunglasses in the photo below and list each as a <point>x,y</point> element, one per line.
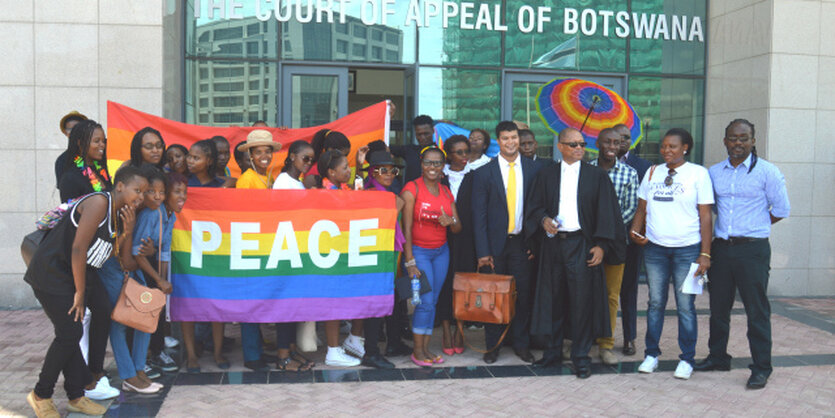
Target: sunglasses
<point>427,163</point>
<point>669,180</point>
<point>306,159</point>
<point>740,139</point>
<point>385,170</point>
<point>581,144</point>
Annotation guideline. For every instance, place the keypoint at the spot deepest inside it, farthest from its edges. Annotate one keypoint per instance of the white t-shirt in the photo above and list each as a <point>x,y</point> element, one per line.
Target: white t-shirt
<point>286,181</point>
<point>672,211</point>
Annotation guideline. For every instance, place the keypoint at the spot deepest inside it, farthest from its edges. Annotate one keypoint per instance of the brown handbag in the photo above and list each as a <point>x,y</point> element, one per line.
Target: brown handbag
<point>478,297</point>
<point>139,306</point>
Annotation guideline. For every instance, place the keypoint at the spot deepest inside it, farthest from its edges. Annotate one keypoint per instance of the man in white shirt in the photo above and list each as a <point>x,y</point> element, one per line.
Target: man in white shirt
<point>574,211</point>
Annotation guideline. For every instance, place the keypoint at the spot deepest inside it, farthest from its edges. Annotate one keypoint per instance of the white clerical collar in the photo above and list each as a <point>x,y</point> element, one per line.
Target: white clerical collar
<point>575,167</point>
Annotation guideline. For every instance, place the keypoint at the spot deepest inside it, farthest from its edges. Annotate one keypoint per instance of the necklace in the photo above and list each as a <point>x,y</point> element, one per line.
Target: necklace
<point>88,171</point>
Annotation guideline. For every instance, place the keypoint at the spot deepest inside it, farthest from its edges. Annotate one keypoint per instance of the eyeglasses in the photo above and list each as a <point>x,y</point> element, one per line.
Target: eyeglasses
<point>306,159</point>
<point>669,180</point>
<point>740,139</point>
<point>158,145</point>
<point>581,144</point>
<point>385,170</point>
<point>427,163</point>
<point>461,152</point>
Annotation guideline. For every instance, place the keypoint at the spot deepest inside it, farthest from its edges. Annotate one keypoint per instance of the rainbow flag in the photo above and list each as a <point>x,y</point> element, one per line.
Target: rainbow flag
<point>361,127</point>
<point>241,255</point>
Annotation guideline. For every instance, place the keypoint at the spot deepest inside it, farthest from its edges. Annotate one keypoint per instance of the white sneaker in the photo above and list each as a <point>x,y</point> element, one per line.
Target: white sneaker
<point>649,365</point>
<point>102,391</point>
<point>354,345</point>
<point>683,370</point>
<point>171,342</point>
<point>337,357</point>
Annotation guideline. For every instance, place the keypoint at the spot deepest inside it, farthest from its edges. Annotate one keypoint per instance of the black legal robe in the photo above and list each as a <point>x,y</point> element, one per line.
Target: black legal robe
<point>601,225</point>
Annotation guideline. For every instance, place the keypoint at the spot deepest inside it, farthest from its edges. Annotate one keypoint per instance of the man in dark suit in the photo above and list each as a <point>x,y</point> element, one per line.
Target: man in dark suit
<point>634,252</point>
<point>500,189</point>
<point>527,147</point>
<point>575,205</point>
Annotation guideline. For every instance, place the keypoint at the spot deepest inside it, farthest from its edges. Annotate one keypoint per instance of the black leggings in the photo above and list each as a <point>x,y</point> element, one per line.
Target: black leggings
<point>64,354</point>
<point>100,309</point>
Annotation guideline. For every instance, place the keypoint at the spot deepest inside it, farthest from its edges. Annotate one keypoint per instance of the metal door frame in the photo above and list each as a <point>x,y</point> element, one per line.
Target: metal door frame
<point>286,89</point>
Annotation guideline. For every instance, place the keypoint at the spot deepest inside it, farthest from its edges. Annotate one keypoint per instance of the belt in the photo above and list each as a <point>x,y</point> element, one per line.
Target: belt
<point>741,240</point>
<point>565,235</point>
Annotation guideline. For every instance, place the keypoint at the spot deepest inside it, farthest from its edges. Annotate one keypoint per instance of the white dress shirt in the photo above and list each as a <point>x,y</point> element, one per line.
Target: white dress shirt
<point>569,178</point>
<point>504,167</point>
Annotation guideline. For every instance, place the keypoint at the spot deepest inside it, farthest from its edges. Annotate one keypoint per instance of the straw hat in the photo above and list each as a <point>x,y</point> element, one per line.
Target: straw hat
<point>258,138</point>
<point>73,114</point>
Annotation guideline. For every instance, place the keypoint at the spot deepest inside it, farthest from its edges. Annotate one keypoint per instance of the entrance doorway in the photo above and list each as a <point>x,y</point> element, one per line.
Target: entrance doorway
<point>519,90</point>
<point>315,95</point>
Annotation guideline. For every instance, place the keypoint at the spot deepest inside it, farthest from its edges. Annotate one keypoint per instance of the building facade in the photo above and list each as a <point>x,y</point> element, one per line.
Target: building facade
<point>680,63</point>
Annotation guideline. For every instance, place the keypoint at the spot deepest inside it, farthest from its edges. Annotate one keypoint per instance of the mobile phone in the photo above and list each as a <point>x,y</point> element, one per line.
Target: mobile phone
<point>638,235</point>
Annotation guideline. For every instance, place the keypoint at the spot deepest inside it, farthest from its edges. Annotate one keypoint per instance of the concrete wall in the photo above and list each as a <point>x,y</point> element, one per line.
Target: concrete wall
<point>773,62</point>
<point>59,56</point>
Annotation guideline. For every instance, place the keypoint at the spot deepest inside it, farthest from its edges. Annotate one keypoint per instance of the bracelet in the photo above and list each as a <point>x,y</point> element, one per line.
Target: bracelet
<point>410,263</point>
<point>705,254</point>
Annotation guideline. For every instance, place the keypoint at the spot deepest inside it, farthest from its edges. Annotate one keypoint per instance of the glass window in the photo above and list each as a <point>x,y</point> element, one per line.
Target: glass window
<point>342,47</point>
<point>672,56</point>
<point>321,41</point>
<point>553,49</point>
<point>376,53</point>
<point>227,102</point>
<point>252,49</point>
<point>359,30</point>
<point>664,103</point>
<point>214,36</point>
<point>454,45</point>
<point>469,98</point>
<point>358,50</point>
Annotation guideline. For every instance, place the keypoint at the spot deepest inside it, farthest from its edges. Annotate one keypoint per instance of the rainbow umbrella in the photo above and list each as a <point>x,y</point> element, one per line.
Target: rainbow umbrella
<point>586,106</point>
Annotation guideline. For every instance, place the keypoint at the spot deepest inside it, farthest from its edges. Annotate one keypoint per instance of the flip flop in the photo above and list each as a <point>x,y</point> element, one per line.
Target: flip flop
<point>304,363</point>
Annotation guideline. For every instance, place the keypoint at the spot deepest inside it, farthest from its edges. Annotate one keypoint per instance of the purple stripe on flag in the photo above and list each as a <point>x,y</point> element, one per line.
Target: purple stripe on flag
<point>279,310</point>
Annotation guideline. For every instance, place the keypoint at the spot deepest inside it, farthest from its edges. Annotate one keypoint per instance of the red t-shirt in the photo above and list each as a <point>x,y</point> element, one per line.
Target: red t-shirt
<point>426,231</point>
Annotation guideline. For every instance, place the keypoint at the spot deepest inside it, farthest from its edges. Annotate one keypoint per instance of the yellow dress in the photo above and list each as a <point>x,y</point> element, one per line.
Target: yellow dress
<point>250,179</point>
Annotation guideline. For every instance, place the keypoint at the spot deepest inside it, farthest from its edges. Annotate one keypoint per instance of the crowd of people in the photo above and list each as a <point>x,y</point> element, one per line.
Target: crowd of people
<point>573,234</point>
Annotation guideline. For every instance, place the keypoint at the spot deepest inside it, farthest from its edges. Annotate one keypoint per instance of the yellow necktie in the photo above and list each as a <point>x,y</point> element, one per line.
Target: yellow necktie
<point>511,199</point>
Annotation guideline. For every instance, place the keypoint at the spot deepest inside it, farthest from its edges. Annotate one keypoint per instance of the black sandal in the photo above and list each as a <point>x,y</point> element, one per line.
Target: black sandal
<point>282,363</point>
<point>304,363</point>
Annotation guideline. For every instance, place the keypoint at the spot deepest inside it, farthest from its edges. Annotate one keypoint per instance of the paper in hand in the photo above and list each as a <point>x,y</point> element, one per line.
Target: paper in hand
<point>692,285</point>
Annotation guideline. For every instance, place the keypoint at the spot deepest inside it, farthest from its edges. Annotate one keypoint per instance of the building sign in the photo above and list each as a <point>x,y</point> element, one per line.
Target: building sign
<point>466,16</point>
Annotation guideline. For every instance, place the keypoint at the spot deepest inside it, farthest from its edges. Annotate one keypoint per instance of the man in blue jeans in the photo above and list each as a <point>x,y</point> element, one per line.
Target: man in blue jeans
<point>750,197</point>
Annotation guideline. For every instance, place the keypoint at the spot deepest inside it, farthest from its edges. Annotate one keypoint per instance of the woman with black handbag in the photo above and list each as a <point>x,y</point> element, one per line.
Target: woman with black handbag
<point>82,239</point>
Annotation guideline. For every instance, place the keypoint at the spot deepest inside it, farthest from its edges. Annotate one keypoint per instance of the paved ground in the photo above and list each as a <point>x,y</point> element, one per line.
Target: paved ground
<point>802,384</point>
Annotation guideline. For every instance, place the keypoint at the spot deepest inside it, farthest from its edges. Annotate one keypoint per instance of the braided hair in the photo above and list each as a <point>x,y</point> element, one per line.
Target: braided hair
<point>295,148</point>
<point>209,148</point>
<point>136,147</point>
<point>753,135</point>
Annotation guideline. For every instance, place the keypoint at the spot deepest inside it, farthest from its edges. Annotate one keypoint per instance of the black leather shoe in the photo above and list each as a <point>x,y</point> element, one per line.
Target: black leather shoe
<point>397,350</point>
<point>377,361</point>
<point>257,365</point>
<point>491,357</point>
<point>583,372</point>
<point>549,361</point>
<point>524,354</point>
<point>709,364</point>
<point>628,348</point>
<point>756,381</point>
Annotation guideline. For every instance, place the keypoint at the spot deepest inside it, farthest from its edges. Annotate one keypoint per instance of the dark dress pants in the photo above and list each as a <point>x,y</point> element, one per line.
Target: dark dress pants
<point>100,309</point>
<point>629,291</point>
<point>743,267</point>
<point>514,261</point>
<point>64,354</point>
<point>571,284</point>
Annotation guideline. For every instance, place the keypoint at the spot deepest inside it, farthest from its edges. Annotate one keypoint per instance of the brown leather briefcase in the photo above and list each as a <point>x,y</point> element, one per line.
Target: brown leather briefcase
<point>478,297</point>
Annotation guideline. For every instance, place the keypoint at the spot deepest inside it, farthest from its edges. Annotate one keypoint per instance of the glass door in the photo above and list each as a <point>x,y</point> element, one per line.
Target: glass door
<point>313,95</point>
<point>519,92</point>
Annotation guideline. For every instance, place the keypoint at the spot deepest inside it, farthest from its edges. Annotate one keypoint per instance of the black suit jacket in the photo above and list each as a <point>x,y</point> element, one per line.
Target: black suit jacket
<point>597,207</point>
<point>639,164</point>
<point>490,205</point>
